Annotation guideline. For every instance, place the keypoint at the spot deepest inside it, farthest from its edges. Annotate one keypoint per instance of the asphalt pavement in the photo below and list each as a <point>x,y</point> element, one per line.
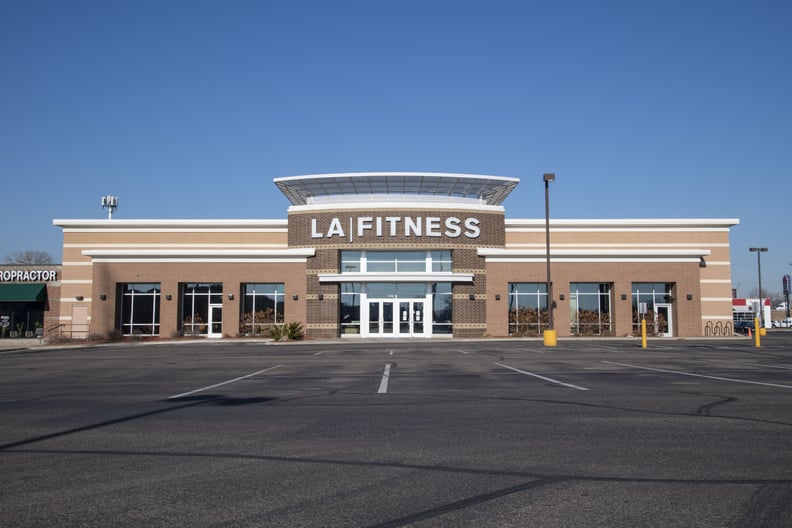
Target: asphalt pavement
<point>425,433</point>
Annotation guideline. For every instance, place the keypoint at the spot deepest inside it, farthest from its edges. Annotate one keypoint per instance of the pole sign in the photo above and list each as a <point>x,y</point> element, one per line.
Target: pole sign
<point>787,283</point>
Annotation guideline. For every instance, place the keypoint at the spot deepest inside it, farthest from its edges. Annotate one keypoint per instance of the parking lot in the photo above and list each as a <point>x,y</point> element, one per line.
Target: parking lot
<point>399,433</point>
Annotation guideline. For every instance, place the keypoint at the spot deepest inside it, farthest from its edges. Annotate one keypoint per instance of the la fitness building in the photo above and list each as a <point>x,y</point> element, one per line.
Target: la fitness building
<point>395,255</point>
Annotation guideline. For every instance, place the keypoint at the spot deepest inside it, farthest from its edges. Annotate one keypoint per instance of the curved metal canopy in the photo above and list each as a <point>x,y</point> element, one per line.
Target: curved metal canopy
<point>396,186</point>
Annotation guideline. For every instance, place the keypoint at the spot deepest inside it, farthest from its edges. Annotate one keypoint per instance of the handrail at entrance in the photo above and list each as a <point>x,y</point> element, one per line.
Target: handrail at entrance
<point>84,328</point>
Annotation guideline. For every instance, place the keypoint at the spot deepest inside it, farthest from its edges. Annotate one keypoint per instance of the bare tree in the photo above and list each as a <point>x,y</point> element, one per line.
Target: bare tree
<point>775,297</point>
<point>28,257</point>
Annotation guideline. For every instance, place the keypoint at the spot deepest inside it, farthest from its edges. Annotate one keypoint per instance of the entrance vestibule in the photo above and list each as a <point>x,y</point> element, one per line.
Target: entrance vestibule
<point>397,318</point>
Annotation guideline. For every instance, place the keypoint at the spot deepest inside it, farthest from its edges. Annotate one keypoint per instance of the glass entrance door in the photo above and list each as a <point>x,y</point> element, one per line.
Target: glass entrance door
<point>396,317</point>
<point>215,320</point>
<point>663,322</point>
<point>411,318</point>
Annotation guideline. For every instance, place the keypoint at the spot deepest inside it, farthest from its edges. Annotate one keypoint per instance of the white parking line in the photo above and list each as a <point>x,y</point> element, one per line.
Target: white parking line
<point>383,388</point>
<point>551,380</point>
<point>750,364</point>
<point>460,350</point>
<point>682,373</point>
<point>319,353</point>
<point>222,383</point>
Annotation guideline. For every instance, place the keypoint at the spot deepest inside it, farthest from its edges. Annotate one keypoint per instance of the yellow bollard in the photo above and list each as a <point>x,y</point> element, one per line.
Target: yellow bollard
<point>550,338</point>
<point>757,332</point>
<point>643,333</point>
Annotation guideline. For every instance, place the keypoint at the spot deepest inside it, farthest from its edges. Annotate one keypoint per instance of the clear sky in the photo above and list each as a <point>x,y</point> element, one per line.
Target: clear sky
<point>189,108</point>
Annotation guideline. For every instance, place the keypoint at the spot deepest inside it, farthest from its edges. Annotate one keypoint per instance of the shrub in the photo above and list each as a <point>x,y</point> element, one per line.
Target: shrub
<point>276,332</point>
<point>294,330</point>
<point>286,331</point>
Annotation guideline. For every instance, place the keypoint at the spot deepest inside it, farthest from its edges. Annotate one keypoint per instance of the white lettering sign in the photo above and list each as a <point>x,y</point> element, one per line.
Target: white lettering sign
<point>28,275</point>
<point>407,226</point>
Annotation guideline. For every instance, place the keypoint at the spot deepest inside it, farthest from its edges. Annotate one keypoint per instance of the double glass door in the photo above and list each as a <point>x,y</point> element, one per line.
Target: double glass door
<point>396,317</point>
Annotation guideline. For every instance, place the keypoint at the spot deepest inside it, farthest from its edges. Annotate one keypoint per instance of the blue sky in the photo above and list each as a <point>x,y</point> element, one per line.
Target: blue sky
<point>189,108</point>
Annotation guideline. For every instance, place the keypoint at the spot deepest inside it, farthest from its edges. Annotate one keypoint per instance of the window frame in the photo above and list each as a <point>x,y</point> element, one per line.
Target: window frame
<point>129,299</point>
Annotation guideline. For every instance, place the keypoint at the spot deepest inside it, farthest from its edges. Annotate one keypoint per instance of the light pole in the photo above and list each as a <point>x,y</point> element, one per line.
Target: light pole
<point>787,287</point>
<point>759,251</point>
<point>549,334</point>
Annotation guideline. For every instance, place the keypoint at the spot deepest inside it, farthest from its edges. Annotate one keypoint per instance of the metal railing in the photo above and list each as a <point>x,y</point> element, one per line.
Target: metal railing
<point>69,331</point>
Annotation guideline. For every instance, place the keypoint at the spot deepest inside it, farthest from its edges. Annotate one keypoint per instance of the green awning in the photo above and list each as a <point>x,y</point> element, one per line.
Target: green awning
<point>35,292</point>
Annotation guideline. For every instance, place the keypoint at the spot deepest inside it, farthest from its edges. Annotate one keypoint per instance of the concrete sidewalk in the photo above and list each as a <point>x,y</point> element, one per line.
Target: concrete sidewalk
<point>20,344</point>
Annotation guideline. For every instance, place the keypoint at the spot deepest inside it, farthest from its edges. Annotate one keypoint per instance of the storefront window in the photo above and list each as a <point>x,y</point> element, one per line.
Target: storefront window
<point>394,290</point>
<point>395,261</point>
<point>442,314</point>
<point>262,306</point>
<point>590,308</point>
<point>140,309</point>
<point>350,308</point>
<point>650,293</point>
<point>371,299</point>
<point>527,308</point>
<point>350,261</point>
<point>196,298</point>
<point>18,319</point>
<point>441,260</point>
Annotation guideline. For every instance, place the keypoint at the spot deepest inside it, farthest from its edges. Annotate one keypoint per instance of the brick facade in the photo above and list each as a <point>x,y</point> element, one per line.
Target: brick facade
<point>488,251</point>
<point>470,317</point>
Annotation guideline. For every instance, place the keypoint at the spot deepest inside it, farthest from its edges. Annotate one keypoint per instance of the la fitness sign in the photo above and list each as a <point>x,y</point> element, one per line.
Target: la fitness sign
<point>28,275</point>
<point>396,226</point>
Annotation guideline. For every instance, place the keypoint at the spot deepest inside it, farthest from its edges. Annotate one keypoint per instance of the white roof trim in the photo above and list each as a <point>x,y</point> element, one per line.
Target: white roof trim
<point>396,277</point>
<point>641,223</point>
<point>396,187</point>
<point>375,207</point>
<point>498,252</point>
<point>172,223</point>
<point>188,254</point>
<point>202,260</point>
<point>593,255</point>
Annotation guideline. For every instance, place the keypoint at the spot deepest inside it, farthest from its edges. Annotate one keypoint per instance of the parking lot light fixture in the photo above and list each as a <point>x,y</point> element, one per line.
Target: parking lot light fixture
<point>759,251</point>
<point>550,333</point>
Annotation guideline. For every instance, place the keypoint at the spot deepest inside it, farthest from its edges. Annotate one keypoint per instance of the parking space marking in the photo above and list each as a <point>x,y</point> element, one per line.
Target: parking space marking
<point>223,383</point>
<point>682,373</point>
<point>749,364</point>
<point>551,380</point>
<point>383,388</point>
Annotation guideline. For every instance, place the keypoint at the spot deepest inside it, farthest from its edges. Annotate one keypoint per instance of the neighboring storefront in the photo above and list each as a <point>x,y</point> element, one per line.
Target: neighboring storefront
<point>29,300</point>
<point>395,255</point>
<point>746,310</point>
